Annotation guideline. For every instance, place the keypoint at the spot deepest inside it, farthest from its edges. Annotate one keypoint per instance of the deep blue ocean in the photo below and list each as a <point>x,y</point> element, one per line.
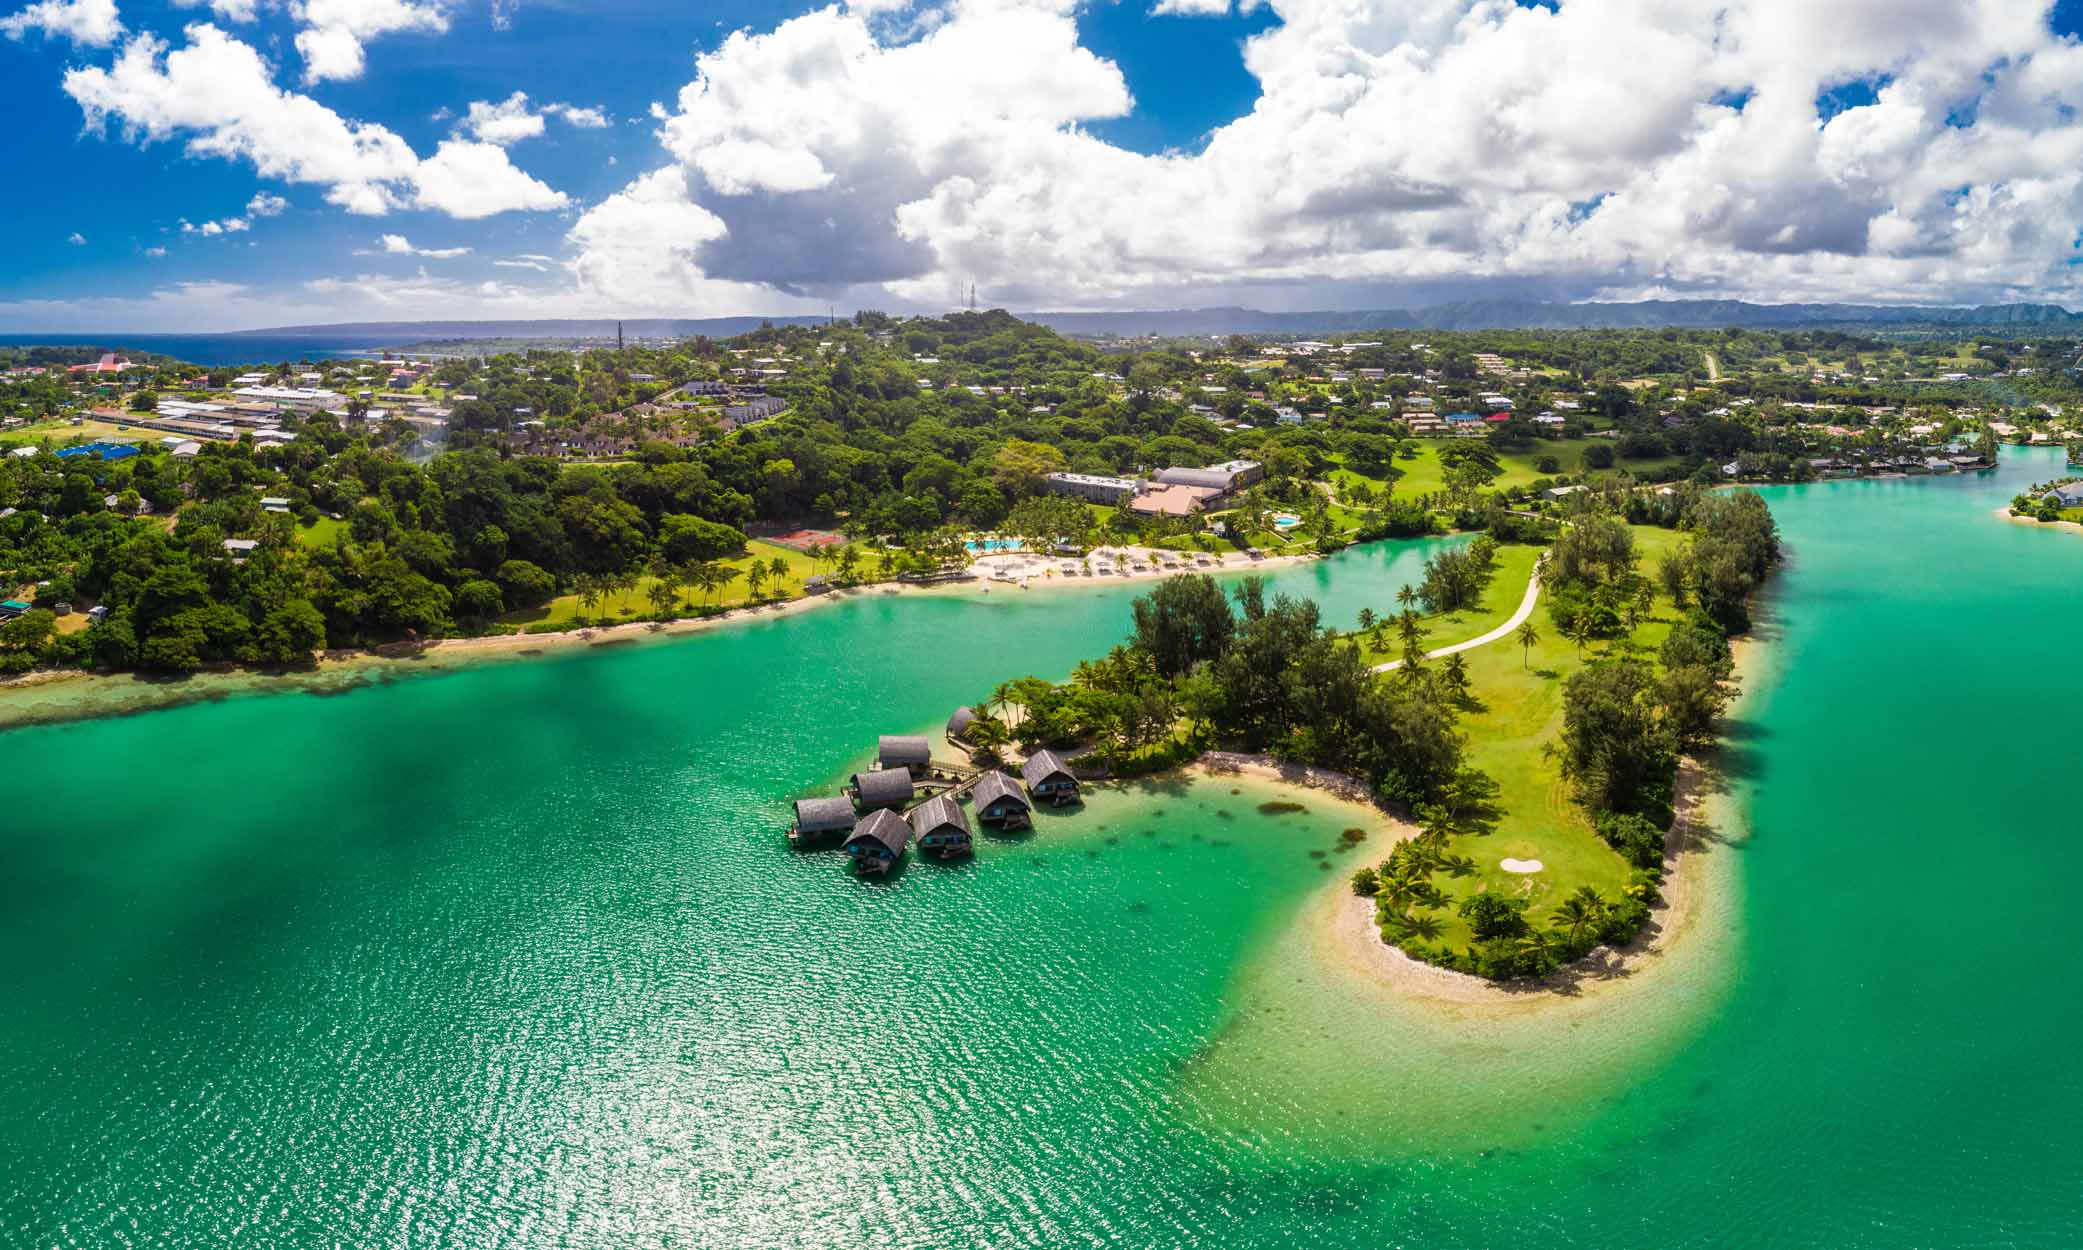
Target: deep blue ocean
<point>221,349</point>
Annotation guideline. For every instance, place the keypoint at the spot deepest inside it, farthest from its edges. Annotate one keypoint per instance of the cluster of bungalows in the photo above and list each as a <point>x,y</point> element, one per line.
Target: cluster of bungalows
<point>881,813</point>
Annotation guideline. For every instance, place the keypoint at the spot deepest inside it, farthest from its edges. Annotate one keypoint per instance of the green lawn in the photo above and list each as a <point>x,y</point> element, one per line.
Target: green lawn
<point>320,533</point>
<point>63,431</point>
<point>1520,714</point>
<point>1425,475</point>
<point>1514,569</point>
<point>565,611</point>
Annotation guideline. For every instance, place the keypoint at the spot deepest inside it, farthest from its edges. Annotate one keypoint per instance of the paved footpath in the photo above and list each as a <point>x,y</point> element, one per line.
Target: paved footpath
<point>1533,594</point>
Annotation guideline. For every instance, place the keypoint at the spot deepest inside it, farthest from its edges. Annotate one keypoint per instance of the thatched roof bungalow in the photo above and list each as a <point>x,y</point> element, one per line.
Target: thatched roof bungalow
<point>940,827</point>
<point>817,818</point>
<point>1000,801</point>
<point>908,751</point>
<point>958,724</point>
<point>878,841</point>
<point>885,787</point>
<point>1049,778</point>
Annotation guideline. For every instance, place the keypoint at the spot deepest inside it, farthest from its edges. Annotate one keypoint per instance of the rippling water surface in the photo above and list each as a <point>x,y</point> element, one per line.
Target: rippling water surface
<point>515,956</point>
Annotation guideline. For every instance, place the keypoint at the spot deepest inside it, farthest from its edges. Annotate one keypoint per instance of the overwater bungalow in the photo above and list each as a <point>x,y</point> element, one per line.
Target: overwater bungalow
<point>885,787</point>
<point>878,842</point>
<point>907,751</point>
<point>941,828</point>
<point>1049,779</point>
<point>958,724</point>
<point>1000,802</point>
<point>820,818</point>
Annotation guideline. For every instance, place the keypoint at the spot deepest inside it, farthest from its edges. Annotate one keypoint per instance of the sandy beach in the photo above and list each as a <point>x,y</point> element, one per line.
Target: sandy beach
<point>2004,514</point>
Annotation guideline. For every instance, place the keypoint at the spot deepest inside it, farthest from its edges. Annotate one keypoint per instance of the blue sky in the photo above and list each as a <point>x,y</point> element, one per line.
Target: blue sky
<point>1331,153</point>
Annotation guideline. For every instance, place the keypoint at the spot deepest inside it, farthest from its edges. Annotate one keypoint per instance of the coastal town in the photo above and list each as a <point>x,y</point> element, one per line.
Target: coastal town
<point>661,481</point>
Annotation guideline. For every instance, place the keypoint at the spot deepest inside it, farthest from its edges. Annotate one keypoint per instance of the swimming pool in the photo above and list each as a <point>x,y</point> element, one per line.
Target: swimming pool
<point>988,545</point>
<point>1286,521</point>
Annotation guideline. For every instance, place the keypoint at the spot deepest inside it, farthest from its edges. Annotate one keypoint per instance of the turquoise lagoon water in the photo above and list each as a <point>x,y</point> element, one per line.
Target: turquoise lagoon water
<point>516,956</point>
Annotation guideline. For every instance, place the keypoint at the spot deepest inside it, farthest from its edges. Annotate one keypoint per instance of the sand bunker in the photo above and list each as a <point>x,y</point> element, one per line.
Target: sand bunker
<point>1520,865</point>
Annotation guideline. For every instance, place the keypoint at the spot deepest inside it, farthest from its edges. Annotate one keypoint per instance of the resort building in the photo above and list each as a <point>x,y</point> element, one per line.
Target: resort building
<point>1000,801</point>
<point>906,751</point>
<point>878,842</point>
<point>888,787</point>
<point>1176,500</point>
<point>958,724</point>
<point>818,818</point>
<point>1227,477</point>
<point>294,398</point>
<point>1092,487</point>
<point>1049,778</point>
<point>940,827</point>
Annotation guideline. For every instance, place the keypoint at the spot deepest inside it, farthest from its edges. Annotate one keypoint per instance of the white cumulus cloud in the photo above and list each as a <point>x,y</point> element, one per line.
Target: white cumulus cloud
<point>217,94</point>
<point>92,23</point>
<point>513,119</point>
<point>1611,147</point>
<point>507,122</point>
<point>229,10</point>
<point>335,30</point>
<point>399,245</point>
<point>211,229</point>
<point>266,204</point>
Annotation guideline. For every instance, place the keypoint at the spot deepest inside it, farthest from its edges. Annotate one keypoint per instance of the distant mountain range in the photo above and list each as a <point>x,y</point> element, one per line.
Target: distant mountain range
<point>1504,314</point>
<point>1491,314</point>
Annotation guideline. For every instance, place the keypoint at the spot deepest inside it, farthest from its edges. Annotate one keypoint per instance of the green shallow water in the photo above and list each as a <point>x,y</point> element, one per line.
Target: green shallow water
<point>515,956</point>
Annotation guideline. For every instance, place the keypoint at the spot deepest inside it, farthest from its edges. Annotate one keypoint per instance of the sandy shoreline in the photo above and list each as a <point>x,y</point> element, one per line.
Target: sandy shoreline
<point>2004,514</point>
<point>48,696</point>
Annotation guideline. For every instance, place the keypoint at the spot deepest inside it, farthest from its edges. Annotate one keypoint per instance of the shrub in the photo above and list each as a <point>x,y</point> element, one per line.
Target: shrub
<point>1639,842</point>
<point>1366,883</point>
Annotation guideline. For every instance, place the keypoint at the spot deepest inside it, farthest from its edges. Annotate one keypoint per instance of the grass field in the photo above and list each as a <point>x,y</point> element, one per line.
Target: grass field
<point>320,533</point>
<point>1519,716</point>
<point>1514,569</point>
<point>565,611</point>
<point>63,431</point>
<point>1425,475</point>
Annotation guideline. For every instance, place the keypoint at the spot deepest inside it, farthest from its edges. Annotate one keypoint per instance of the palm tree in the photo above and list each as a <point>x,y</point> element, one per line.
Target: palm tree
<point>1527,637</point>
<point>755,578</point>
<point>1367,620</point>
<point>1580,913</point>
<point>849,557</point>
<point>777,568</point>
<point>1407,596</point>
<point>725,575</point>
<point>1578,631</point>
<point>1540,944</point>
<point>702,576</point>
<point>589,591</point>
<point>987,735</point>
<point>1423,925</point>
<point>662,598</point>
